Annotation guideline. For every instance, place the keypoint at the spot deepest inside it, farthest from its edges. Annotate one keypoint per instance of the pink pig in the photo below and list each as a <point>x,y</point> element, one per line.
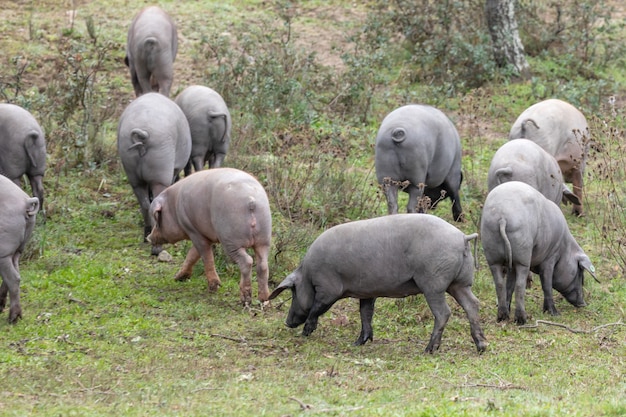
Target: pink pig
<point>218,205</point>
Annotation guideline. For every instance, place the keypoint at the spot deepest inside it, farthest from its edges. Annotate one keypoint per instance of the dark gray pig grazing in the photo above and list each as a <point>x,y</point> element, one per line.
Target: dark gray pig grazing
<point>391,256</point>
<point>217,205</point>
<point>17,220</point>
<point>523,160</point>
<point>154,143</point>
<point>522,231</point>
<point>562,130</point>
<point>210,124</point>
<point>418,144</point>
<point>151,49</point>
<point>22,148</point>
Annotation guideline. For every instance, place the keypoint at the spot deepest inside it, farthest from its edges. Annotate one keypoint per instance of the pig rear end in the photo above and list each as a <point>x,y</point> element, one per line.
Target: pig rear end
<point>243,220</point>
<point>17,220</point>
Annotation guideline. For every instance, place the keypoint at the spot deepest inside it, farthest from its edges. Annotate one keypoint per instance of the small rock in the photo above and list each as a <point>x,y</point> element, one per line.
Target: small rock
<point>164,257</point>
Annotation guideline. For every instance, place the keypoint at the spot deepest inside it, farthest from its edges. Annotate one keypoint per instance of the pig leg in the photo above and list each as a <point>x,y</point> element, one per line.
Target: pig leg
<point>366,308</point>
<point>415,195</point>
<point>318,308</point>
<point>391,192</point>
<point>198,163</point>
<point>11,283</point>
<point>521,276</point>
<point>466,299</point>
<point>135,80</point>
<point>187,169</point>
<point>499,282</point>
<point>452,192</point>
<point>142,192</point>
<point>163,75</point>
<point>244,261</point>
<point>4,290</point>
<point>546,285</point>
<point>441,311</point>
<point>216,159</point>
<point>510,286</point>
<point>262,271</point>
<point>206,253</point>
<point>184,273</point>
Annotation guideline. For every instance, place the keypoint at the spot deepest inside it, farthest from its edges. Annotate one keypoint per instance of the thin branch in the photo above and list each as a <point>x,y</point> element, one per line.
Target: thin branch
<point>502,386</point>
<point>234,339</point>
<point>550,323</point>
<point>303,406</point>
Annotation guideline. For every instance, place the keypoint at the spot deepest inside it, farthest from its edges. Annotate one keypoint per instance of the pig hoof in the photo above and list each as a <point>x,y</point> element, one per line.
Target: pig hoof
<point>430,349</point>
<point>214,286</point>
<point>182,276</point>
<point>14,317</point>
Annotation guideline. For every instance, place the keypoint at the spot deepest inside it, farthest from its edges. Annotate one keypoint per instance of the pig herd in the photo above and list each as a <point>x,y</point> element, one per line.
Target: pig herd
<point>417,150</point>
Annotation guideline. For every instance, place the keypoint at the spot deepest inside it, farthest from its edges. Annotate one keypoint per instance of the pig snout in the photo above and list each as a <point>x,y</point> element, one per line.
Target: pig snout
<point>575,298</point>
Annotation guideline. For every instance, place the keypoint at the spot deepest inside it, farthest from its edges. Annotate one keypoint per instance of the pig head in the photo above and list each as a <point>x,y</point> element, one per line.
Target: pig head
<point>523,160</point>
<point>154,143</point>
<point>220,205</point>
<point>562,130</point>
<point>522,231</point>
<point>391,256</point>
<point>17,220</point>
<point>22,148</point>
<point>210,124</point>
<point>151,48</point>
<point>418,150</point>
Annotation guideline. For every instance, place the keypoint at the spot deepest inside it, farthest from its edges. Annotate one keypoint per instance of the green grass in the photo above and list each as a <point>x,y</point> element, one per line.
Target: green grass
<point>107,330</point>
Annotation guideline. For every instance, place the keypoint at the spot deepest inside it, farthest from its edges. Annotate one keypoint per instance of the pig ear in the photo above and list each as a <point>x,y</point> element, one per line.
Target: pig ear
<point>585,263</point>
<point>289,282</point>
<point>156,213</point>
<point>569,196</point>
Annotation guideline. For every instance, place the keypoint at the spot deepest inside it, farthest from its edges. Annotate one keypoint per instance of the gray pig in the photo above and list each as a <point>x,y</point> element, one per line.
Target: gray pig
<point>22,148</point>
<point>522,231</point>
<point>217,205</point>
<point>418,144</point>
<point>151,49</point>
<point>391,256</point>
<point>562,130</point>
<point>523,160</point>
<point>210,124</point>
<point>154,143</point>
<point>17,220</point>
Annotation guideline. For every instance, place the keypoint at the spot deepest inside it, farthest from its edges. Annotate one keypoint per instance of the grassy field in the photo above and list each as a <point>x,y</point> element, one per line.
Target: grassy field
<point>106,329</point>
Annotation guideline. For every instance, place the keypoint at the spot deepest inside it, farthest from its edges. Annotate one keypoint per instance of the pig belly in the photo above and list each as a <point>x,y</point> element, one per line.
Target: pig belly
<point>391,290</point>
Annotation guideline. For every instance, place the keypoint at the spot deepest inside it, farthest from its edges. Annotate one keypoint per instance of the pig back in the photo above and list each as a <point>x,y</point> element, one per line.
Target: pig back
<point>555,125</point>
<point>151,22</point>
<point>391,256</point>
<point>226,205</point>
<point>523,160</point>
<point>417,143</point>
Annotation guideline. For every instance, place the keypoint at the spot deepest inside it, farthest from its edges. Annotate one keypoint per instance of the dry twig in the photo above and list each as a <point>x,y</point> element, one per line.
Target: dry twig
<point>550,323</point>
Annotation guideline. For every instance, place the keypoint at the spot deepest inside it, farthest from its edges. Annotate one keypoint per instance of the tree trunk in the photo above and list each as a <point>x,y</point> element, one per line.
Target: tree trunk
<point>507,46</point>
